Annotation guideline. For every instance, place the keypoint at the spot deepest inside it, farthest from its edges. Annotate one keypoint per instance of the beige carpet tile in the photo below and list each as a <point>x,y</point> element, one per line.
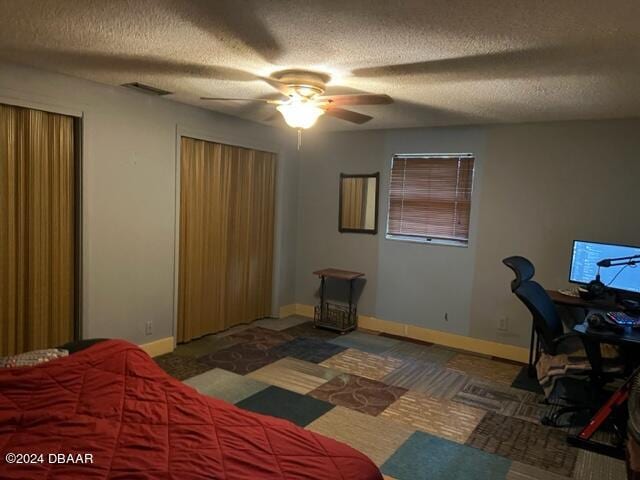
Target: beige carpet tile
<point>444,418</point>
<point>427,377</point>
<point>522,471</point>
<point>358,393</point>
<point>416,351</point>
<point>504,360</point>
<point>591,466</point>
<point>293,374</point>
<point>376,437</point>
<point>363,364</point>
<point>484,368</point>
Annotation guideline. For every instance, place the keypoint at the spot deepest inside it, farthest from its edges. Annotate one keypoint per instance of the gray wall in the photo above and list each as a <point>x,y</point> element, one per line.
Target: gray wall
<point>536,188</point>
<point>545,185</point>
<point>129,204</point>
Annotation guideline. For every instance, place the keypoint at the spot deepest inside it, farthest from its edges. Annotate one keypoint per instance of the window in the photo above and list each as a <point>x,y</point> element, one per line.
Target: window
<point>430,198</point>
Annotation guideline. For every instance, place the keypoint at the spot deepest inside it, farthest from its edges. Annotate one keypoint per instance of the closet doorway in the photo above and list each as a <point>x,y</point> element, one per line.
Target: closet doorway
<point>39,229</point>
<point>227,196</point>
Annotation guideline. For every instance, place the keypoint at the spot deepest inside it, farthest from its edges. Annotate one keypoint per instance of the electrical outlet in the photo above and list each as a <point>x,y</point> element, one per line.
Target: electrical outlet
<point>503,324</point>
<point>148,328</point>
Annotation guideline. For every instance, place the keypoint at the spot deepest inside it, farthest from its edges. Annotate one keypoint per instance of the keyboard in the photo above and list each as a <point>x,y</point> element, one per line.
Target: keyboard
<point>624,319</point>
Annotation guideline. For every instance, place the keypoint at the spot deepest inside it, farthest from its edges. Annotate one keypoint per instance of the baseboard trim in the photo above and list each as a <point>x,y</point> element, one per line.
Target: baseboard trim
<point>287,310</point>
<point>159,347</point>
<point>461,342</point>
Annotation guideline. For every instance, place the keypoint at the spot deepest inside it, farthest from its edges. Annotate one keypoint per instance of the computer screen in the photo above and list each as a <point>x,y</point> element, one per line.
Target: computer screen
<point>584,265</point>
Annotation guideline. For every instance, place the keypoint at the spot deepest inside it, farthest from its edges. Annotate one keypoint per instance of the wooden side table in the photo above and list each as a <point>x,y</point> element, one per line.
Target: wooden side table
<point>334,316</point>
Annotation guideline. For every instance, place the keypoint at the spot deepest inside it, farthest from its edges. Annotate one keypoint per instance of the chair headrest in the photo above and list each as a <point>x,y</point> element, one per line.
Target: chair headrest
<point>523,269</point>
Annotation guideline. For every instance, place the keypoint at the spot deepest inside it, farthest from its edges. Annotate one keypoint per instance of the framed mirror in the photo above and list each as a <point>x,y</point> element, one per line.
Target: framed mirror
<point>358,212</point>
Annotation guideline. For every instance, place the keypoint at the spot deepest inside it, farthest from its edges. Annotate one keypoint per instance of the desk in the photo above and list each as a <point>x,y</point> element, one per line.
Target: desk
<point>578,302</point>
<point>629,339</point>
<point>630,336</point>
<point>593,338</point>
<point>568,301</point>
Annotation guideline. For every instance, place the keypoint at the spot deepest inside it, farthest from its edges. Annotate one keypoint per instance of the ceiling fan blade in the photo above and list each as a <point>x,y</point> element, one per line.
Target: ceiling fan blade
<point>274,117</point>
<point>364,99</point>
<point>348,115</point>
<point>222,99</point>
<point>283,88</point>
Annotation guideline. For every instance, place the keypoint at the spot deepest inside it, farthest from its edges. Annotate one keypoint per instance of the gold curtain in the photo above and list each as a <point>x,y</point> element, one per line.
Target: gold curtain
<point>226,236</point>
<point>36,229</point>
<point>354,196</point>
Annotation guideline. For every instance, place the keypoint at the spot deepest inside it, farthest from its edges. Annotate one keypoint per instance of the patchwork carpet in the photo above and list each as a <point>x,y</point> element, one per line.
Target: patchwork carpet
<point>419,411</point>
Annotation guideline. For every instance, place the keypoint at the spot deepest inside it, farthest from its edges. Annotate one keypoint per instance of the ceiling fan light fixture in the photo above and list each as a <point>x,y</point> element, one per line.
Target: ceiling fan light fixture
<point>300,114</point>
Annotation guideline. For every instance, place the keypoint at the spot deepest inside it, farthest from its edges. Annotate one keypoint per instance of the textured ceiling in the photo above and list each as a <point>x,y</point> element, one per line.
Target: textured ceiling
<point>444,62</point>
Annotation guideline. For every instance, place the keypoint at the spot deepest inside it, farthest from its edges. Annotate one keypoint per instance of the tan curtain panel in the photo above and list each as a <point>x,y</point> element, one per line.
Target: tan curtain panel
<point>226,236</point>
<point>354,195</point>
<point>431,197</point>
<point>36,229</point>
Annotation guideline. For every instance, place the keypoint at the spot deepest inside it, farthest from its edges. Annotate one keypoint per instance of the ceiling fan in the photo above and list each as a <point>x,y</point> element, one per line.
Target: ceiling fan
<point>305,101</point>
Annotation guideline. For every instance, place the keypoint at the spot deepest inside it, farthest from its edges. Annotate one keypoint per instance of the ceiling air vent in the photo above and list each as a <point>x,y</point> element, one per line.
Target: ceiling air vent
<point>148,89</point>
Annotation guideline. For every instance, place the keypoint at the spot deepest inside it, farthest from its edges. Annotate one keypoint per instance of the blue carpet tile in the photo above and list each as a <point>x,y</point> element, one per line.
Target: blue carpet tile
<point>424,456</point>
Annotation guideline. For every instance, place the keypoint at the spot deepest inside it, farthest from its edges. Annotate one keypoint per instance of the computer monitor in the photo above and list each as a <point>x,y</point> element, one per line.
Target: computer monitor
<point>584,265</point>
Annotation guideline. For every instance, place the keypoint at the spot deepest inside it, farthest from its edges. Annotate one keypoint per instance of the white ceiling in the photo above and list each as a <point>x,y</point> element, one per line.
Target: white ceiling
<point>444,62</point>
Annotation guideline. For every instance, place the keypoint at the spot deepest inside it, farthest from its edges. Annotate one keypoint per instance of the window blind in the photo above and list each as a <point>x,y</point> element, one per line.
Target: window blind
<point>430,197</point>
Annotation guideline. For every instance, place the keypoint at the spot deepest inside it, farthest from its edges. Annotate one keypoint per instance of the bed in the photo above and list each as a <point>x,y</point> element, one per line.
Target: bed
<point>109,412</point>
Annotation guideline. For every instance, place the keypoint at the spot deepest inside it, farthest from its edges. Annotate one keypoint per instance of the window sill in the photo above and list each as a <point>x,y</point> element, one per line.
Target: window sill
<point>426,241</point>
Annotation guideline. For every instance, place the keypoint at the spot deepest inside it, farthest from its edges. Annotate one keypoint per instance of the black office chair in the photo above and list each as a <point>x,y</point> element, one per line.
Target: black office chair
<point>547,331</point>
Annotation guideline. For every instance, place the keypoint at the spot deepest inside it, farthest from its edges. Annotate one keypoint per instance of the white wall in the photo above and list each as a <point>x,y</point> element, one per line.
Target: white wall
<point>129,202</point>
<point>536,188</point>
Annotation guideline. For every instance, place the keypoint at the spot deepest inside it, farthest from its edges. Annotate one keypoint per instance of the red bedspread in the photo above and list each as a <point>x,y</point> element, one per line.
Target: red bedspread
<point>112,402</point>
